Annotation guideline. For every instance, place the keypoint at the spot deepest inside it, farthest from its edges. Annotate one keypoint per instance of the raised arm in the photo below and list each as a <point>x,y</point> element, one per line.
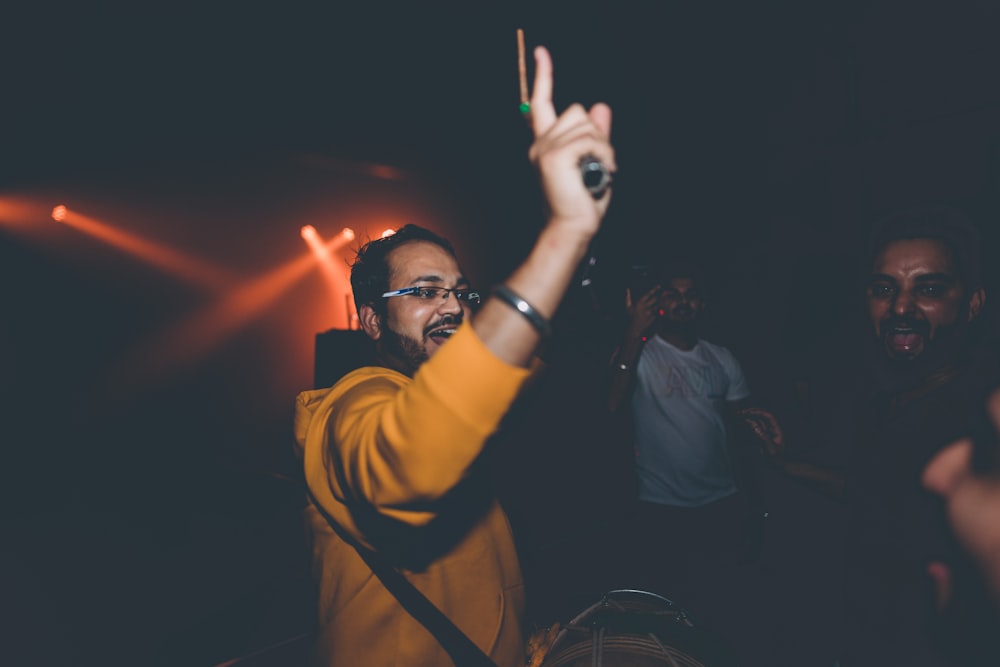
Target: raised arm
<point>574,217</point>
<point>642,311</point>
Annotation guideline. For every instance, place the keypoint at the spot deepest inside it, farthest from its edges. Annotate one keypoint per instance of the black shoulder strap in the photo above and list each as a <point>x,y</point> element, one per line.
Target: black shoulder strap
<point>463,651</point>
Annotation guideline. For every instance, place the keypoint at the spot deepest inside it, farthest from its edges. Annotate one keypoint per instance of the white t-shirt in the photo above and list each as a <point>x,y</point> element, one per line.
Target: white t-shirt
<point>678,410</point>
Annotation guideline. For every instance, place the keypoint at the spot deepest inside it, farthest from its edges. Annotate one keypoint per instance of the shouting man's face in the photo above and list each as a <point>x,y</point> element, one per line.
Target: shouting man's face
<point>915,297</point>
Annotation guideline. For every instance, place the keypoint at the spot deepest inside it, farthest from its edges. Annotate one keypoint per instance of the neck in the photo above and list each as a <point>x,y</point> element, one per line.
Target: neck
<point>679,339</point>
<point>393,363</point>
<point>391,357</point>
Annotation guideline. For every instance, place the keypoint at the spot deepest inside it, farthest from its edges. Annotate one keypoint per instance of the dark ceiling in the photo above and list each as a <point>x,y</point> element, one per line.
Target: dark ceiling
<point>757,109</point>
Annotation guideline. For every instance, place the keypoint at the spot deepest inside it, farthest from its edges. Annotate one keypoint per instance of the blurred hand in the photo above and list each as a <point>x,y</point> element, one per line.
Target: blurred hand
<point>642,313</point>
<point>973,504</point>
<point>766,428</point>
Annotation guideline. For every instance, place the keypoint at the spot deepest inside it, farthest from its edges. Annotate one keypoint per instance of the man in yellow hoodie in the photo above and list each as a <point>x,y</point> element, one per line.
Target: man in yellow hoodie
<point>391,451</point>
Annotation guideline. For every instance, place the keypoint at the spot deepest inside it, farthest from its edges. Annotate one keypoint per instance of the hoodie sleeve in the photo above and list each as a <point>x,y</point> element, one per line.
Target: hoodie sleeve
<point>383,440</point>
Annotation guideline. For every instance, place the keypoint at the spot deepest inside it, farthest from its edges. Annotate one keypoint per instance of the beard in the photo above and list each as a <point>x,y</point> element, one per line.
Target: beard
<point>681,320</point>
<point>401,352</point>
<point>898,372</point>
<point>406,354</point>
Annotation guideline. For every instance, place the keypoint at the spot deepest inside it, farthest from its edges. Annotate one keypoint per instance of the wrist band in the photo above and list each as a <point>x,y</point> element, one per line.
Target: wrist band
<point>505,294</point>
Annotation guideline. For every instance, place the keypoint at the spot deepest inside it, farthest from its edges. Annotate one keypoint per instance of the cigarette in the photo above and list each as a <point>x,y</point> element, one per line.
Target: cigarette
<point>522,71</point>
<point>596,176</point>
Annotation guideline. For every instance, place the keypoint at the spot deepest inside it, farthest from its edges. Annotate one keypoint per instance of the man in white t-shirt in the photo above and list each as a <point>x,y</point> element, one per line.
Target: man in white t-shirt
<point>686,395</point>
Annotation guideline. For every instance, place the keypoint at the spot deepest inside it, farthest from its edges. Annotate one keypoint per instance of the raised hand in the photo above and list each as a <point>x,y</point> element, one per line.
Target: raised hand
<point>561,140</point>
<point>973,503</point>
<point>766,428</point>
<point>642,311</point>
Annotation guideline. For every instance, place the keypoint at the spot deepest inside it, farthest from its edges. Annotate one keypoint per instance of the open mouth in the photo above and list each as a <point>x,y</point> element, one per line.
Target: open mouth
<point>441,335</point>
<point>903,338</point>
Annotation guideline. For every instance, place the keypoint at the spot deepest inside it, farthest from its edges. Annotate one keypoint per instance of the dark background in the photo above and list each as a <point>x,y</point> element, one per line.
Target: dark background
<point>146,496</point>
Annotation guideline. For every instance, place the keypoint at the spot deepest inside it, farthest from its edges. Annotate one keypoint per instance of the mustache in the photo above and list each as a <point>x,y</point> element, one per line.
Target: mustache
<point>447,320</point>
<point>904,322</point>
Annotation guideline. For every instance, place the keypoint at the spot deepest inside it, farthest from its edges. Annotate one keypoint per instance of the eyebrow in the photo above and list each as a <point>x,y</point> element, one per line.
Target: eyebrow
<point>924,278</point>
<point>937,278</point>
<point>462,280</point>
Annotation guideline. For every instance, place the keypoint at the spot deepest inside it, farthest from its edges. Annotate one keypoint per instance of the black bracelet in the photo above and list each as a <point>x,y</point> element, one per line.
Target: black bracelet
<point>505,294</point>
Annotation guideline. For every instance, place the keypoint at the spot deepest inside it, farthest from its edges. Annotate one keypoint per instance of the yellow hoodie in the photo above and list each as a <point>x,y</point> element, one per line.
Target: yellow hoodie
<point>391,460</point>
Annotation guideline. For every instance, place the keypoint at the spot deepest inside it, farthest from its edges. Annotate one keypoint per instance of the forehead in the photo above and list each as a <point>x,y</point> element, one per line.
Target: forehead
<point>907,256</point>
<point>421,259</point>
<point>681,284</point>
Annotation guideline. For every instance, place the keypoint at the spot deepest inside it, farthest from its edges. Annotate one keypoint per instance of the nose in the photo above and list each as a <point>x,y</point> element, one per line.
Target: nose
<point>903,303</point>
<point>450,303</point>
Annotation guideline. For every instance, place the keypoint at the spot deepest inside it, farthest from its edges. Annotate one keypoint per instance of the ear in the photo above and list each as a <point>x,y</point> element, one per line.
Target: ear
<point>976,302</point>
<point>370,321</point>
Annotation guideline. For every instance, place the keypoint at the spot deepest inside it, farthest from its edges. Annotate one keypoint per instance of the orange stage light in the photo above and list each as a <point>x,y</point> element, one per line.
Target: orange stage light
<point>388,232</point>
<point>334,275</point>
<point>185,267</point>
<point>186,343</point>
<point>21,212</point>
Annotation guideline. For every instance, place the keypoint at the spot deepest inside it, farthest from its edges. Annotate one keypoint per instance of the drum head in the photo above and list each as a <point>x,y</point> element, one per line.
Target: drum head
<point>632,628</point>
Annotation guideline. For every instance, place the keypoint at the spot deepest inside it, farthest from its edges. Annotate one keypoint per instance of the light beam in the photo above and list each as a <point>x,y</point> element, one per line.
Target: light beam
<point>334,276</point>
<point>182,266</point>
<point>183,345</point>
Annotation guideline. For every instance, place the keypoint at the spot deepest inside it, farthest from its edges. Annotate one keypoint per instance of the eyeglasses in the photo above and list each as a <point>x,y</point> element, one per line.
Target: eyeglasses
<point>464,295</point>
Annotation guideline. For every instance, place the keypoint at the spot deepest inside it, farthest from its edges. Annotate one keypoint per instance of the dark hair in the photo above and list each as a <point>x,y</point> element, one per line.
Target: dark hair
<point>643,277</point>
<point>947,225</point>
<point>370,268</point>
<point>683,268</point>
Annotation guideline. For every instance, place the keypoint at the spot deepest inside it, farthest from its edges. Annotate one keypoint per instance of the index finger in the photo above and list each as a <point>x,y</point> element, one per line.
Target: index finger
<point>543,113</point>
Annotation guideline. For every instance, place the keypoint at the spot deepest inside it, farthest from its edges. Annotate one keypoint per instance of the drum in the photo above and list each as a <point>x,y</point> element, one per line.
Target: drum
<point>633,628</point>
